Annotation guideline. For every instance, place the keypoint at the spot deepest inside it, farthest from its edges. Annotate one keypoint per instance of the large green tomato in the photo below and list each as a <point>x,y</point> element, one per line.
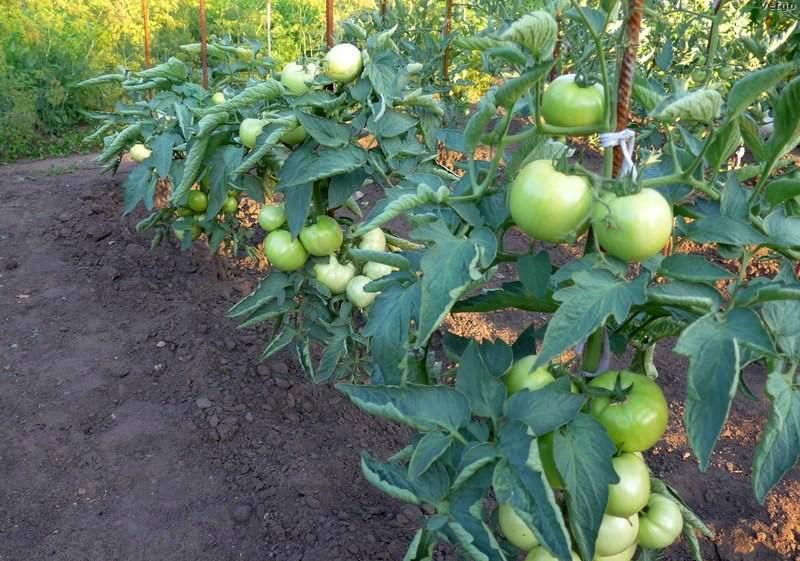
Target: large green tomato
<point>249,130</point>
<point>549,205</point>
<point>374,240</point>
<point>323,238</point>
<point>625,555</point>
<point>197,201</point>
<point>541,554</point>
<point>522,377</point>
<point>284,253</point>
<point>271,216</point>
<point>514,529</point>
<point>660,523</point>
<point>296,77</point>
<point>334,275</point>
<point>630,495</point>
<point>616,534</point>
<point>295,136</point>
<point>356,293</point>
<point>230,206</point>
<point>218,98</point>
<point>343,63</point>
<point>566,104</point>
<point>635,227</point>
<point>545,443</point>
<point>139,152</point>
<point>637,422</point>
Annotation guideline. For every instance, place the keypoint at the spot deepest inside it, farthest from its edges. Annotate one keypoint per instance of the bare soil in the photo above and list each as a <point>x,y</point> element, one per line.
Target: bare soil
<point>138,425</point>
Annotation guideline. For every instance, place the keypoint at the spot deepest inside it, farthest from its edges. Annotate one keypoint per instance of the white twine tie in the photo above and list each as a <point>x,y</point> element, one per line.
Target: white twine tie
<point>626,140</point>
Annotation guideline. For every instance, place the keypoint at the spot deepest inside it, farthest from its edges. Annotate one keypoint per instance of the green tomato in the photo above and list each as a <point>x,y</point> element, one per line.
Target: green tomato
<point>218,98</point>
<point>630,495</point>
<point>297,77</point>
<point>625,555</point>
<point>522,377</point>
<point>726,72</point>
<point>295,136</point>
<point>139,152</point>
<point>334,275</point>
<point>699,75</point>
<point>323,238</point>
<point>284,253</point>
<point>195,229</point>
<point>374,240</point>
<point>356,293</point>
<point>249,130</point>
<point>271,216</point>
<point>244,53</point>
<point>343,63</point>
<point>230,206</point>
<point>549,205</point>
<point>197,201</point>
<point>414,67</point>
<point>566,104</point>
<point>541,554</point>
<point>660,523</point>
<point>377,270</point>
<point>514,528</point>
<point>183,211</point>
<point>637,422</point>
<point>616,534</point>
<point>635,227</point>
<point>545,443</point>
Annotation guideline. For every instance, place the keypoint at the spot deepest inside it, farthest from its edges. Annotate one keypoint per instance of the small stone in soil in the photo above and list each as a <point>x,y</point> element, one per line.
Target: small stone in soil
<point>241,513</point>
<point>203,402</point>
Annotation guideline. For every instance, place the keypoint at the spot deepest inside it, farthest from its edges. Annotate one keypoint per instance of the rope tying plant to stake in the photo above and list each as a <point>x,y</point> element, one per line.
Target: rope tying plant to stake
<point>626,140</point>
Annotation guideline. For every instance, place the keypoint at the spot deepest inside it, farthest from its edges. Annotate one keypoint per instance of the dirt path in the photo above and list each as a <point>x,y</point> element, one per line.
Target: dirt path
<point>137,424</point>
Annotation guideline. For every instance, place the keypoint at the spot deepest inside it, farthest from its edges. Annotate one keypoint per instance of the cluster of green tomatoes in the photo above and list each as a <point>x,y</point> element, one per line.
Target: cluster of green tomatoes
<point>635,420</point>
<point>322,239</point>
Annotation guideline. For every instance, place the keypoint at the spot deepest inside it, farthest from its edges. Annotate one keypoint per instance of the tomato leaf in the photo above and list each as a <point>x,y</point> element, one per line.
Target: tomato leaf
<point>140,185</point>
<point>692,268</point>
<point>389,478</point>
<point>779,447</point>
<point>545,409</point>
<point>343,186</point>
<point>786,133</point>
<point>391,123</point>
<point>429,449</point>
<point>297,201</point>
<point>585,306</point>
<point>782,189</point>
<point>783,230</point>
<point>724,144</point>
<point>748,88</point>
<point>511,295</point>
<point>476,456</point>
<point>162,152</point>
<point>466,519</point>
<point>221,163</point>
<point>748,128</point>
<point>734,201</point>
<point>583,452</point>
<point>534,273</point>
<point>725,230</point>
<point>681,294</point>
<point>717,349</point>
<point>783,319</point>
<point>325,131</point>
<point>421,546</point>
<point>485,392</point>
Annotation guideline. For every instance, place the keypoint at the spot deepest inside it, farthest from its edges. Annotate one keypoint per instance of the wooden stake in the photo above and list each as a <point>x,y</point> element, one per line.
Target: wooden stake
<point>626,72</point>
<point>203,43</point>
<point>269,27</point>
<point>329,23</point>
<point>146,24</point>
<point>448,15</point>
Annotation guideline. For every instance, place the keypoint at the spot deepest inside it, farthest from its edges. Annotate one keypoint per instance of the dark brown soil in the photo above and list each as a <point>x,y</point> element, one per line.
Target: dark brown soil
<point>138,425</point>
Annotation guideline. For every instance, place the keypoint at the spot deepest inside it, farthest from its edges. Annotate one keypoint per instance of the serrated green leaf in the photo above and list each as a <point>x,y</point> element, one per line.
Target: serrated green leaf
<point>485,392</point>
<point>783,320</point>
<point>476,456</point>
<point>748,88</point>
<point>692,268</point>
<point>140,185</point>
<point>388,478</point>
<point>786,133</point>
<point>429,449</point>
<point>681,294</point>
<point>724,230</point>
<point>534,273</point>
<point>545,409</point>
<point>782,189</point>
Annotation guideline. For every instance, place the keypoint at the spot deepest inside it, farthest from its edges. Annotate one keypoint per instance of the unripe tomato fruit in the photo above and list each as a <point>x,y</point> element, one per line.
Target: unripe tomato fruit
<point>634,227</point>
<point>197,201</point>
<point>616,534</point>
<point>296,77</point>
<point>549,205</point>
<point>377,270</point>
<point>630,495</point>
<point>271,216</point>
<point>625,555</point>
<point>374,240</point>
<point>566,104</point>
<point>661,523</point>
<point>139,152</point>
<point>726,72</point>
<point>249,130</point>
<point>195,229</point>
<point>522,377</point>
<point>218,98</point>
<point>230,206</point>
<point>541,554</point>
<point>322,238</point>
<point>334,275</point>
<point>183,211</point>
<point>295,136</point>
<point>637,422</point>
<point>284,253</point>
<point>699,75</point>
<point>356,293</point>
<point>414,67</point>
<point>343,63</point>
<point>514,529</point>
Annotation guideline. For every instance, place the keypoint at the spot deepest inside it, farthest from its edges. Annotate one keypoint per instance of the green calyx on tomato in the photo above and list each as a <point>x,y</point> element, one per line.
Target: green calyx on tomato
<point>284,253</point>
<point>197,201</point>
<point>272,216</point>
<point>139,152</point>
<point>377,270</point>
<point>660,523</point>
<point>334,275</point>
<point>630,495</point>
<point>356,293</point>
<point>625,555</point>
<point>374,240</point>
<point>549,205</point>
<point>295,136</point>
<point>343,63</point>
<point>249,129</point>
<point>297,77</point>
<point>522,376</point>
<point>634,227</point>
<point>541,554</point>
<point>566,104</point>
<point>636,421</point>
<point>616,534</point>
<point>514,528</point>
<point>322,238</point>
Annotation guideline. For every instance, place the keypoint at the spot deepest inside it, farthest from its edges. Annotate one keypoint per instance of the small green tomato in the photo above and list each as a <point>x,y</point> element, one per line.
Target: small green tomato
<point>356,293</point>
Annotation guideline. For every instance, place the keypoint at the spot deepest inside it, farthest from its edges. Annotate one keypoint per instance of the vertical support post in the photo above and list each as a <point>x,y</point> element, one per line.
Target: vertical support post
<point>383,8</point>
<point>146,25</point>
<point>203,43</point>
<point>269,27</point>
<point>329,23</point>
<point>448,17</point>
<point>626,71</point>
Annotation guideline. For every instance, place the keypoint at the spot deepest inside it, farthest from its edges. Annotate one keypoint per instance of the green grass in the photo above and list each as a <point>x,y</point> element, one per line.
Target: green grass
<point>39,147</point>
